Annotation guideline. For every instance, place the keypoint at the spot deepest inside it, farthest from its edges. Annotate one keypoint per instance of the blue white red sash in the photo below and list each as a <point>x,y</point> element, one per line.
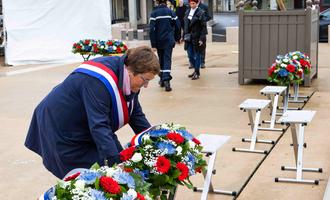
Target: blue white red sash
<point>137,139</point>
<point>110,80</point>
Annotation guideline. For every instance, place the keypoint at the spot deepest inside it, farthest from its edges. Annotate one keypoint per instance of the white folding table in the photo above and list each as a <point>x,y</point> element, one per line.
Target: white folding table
<point>298,120</point>
<point>271,91</point>
<point>254,105</point>
<point>211,144</point>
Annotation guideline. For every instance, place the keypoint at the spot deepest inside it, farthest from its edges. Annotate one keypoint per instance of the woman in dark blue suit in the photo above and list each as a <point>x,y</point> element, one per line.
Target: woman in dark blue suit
<point>74,125</point>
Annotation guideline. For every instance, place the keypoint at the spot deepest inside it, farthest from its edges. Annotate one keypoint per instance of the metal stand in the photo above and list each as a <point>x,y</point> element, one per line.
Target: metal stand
<point>269,91</point>
<point>257,105</point>
<point>298,119</point>
<point>211,144</point>
<point>296,98</point>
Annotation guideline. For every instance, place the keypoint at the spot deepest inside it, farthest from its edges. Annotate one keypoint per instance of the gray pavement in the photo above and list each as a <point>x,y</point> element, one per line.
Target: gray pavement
<point>208,105</point>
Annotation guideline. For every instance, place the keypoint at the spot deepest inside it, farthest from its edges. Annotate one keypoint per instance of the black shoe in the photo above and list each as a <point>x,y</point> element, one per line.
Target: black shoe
<point>161,83</point>
<point>191,75</point>
<point>195,77</point>
<point>167,86</point>
<point>203,65</point>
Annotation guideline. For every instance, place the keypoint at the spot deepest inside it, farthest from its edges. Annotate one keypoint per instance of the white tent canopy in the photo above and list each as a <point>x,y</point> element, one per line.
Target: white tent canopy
<point>43,31</point>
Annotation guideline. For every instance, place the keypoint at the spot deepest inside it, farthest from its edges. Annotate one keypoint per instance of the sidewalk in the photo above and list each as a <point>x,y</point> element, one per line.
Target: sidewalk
<point>208,105</point>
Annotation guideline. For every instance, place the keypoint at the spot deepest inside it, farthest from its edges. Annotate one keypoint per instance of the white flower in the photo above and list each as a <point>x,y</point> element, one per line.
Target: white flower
<point>178,150</point>
<point>137,157</point>
<point>176,126</point>
<point>295,57</point>
<point>285,60</point>
<point>79,184</point>
<point>114,47</point>
<point>111,171</point>
<point>283,65</point>
<point>191,144</point>
<point>145,137</point>
<point>132,193</point>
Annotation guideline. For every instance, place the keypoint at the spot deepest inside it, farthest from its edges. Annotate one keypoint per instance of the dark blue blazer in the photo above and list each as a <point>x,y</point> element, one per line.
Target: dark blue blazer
<point>164,28</point>
<point>72,127</point>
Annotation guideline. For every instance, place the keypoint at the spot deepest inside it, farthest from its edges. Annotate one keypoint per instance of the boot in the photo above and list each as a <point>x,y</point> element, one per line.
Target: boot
<point>167,86</point>
<point>196,75</point>
<point>161,83</point>
<point>191,75</point>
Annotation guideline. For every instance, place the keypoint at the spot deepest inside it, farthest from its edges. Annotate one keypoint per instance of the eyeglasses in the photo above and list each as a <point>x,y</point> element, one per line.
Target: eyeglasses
<point>145,81</point>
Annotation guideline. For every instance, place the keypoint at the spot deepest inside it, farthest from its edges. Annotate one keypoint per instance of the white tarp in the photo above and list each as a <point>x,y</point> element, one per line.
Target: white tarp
<point>43,31</point>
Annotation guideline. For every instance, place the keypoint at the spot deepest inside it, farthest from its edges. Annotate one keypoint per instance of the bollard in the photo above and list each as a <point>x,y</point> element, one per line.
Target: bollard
<point>232,35</point>
<point>123,34</point>
<point>209,34</point>
<point>140,35</point>
<point>130,34</point>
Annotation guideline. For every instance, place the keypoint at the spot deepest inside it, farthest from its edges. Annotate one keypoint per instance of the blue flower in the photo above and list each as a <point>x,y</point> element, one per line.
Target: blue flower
<point>158,132</point>
<point>110,49</point>
<point>144,173</point>
<point>98,195</point>
<point>89,176</point>
<point>125,178</point>
<point>168,147</point>
<point>283,72</point>
<point>185,134</point>
<point>127,197</point>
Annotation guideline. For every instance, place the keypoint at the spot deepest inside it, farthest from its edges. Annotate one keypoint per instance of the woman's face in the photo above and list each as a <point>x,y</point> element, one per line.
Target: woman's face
<point>193,4</point>
<point>140,80</point>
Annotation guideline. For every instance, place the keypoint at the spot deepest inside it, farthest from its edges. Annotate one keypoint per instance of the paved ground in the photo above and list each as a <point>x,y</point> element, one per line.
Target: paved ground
<point>207,105</point>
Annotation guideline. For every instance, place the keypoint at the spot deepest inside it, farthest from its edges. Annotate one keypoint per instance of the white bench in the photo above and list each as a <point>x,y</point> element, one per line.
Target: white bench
<point>273,93</point>
<point>254,105</point>
<point>211,144</point>
<point>298,120</point>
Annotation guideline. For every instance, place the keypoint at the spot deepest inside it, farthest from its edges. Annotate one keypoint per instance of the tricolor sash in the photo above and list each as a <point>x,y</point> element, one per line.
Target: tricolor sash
<point>110,80</point>
<point>137,139</point>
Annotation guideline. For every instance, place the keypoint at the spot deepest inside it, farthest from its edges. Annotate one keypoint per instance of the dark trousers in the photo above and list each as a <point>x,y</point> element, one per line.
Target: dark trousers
<point>203,50</point>
<point>194,57</point>
<point>165,61</point>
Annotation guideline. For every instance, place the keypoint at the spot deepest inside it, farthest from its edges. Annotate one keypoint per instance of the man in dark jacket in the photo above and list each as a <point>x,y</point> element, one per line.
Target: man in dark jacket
<point>205,8</point>
<point>164,32</point>
<point>74,125</point>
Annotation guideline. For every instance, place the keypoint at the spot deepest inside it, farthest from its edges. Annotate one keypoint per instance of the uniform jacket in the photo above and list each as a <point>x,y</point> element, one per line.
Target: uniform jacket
<point>73,125</point>
<point>164,28</point>
<point>196,27</point>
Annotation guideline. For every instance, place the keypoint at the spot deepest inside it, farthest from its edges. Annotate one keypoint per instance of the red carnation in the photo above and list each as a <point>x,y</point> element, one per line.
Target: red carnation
<point>127,154</point>
<point>125,47</point>
<point>163,164</point>
<point>304,63</point>
<point>87,41</point>
<point>271,70</point>
<point>176,137</point>
<point>110,185</point>
<point>109,43</point>
<point>69,178</point>
<point>78,46</point>
<point>140,196</point>
<point>290,68</point>
<point>119,50</point>
<point>184,170</point>
<point>299,73</point>
<point>196,141</point>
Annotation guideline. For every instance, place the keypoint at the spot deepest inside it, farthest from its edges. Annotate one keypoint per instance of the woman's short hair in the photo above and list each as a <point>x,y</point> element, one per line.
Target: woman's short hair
<point>142,60</point>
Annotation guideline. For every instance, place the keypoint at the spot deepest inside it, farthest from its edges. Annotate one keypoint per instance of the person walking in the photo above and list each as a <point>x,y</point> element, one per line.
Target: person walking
<point>180,12</point>
<point>74,125</point>
<point>205,8</point>
<point>164,32</point>
<point>194,34</point>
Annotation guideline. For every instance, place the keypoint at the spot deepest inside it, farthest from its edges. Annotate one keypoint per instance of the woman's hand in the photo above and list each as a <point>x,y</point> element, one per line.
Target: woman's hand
<point>200,43</point>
